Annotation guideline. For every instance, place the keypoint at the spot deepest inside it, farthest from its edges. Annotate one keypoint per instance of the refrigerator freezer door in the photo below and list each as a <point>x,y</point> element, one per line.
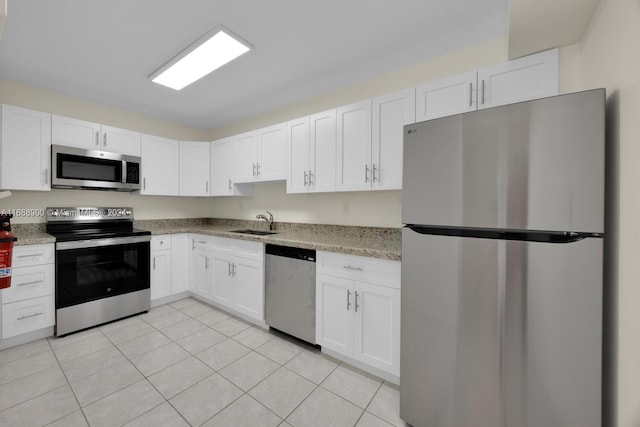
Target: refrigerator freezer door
<point>536,165</point>
<point>500,333</point>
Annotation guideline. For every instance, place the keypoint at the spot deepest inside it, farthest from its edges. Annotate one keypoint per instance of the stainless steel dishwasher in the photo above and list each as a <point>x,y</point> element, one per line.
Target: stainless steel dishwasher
<point>290,291</point>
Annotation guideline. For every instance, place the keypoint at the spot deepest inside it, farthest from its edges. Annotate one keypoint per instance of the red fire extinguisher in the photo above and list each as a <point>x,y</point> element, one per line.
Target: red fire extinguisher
<point>6,250</point>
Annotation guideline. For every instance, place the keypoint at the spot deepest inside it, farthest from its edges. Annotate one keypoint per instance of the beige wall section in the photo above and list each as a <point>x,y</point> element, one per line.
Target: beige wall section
<point>569,64</point>
<point>367,208</point>
<point>145,207</point>
<point>56,103</point>
<point>610,60</point>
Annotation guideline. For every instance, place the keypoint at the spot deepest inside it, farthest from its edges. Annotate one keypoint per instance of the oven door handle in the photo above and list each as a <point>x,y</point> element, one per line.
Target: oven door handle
<point>79,244</point>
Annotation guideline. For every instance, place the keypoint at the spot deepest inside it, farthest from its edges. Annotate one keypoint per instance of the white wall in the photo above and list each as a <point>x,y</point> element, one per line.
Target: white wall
<point>610,59</point>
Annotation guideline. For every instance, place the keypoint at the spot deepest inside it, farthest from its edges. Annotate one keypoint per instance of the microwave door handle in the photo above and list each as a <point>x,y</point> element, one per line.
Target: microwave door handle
<point>124,171</point>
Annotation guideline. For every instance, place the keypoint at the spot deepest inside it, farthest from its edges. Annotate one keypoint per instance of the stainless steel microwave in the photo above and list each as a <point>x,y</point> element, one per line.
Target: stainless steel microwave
<point>95,170</point>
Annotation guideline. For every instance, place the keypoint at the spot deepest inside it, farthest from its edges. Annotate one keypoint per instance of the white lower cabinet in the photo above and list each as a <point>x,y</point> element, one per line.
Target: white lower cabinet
<point>169,265</point>
<point>29,304</point>
<point>179,263</point>
<point>356,318</point>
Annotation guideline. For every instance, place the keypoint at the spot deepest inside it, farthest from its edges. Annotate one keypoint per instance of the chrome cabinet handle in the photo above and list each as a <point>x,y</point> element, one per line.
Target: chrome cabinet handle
<point>305,178</point>
<point>470,94</point>
<point>348,299</point>
<point>482,93</point>
<point>374,172</point>
<point>154,263</point>
<point>30,316</point>
<point>29,256</point>
<point>104,139</point>
<point>97,138</point>
<point>206,263</point>
<point>144,183</point>
<point>229,184</point>
<point>206,186</point>
<point>254,169</point>
<point>233,270</point>
<point>193,244</point>
<point>310,180</point>
<point>366,173</point>
<point>257,169</point>
<point>228,269</point>
<point>350,267</point>
<point>357,302</point>
<point>35,282</point>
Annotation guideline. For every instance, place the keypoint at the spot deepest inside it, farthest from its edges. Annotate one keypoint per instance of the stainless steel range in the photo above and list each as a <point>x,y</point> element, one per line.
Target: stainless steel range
<point>102,266</point>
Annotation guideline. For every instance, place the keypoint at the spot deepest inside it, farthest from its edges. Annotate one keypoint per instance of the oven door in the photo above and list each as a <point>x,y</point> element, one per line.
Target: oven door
<point>90,270</point>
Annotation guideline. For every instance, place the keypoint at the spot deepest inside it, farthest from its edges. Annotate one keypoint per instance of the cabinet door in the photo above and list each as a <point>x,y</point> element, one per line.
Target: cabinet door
<point>160,166</point>
<point>271,152</point>
<point>160,274</point>
<point>390,113</point>
<point>298,155</point>
<point>26,149</point>
<point>194,168</point>
<point>249,287</point>
<point>222,167</point>
<point>245,164</point>
<point>354,147</point>
<point>202,267</point>
<point>179,263</point>
<point>377,326</point>
<point>120,141</point>
<point>75,133</point>
<point>452,95</point>
<point>322,137</point>
<point>335,313</point>
<point>222,289</point>
<point>531,77</point>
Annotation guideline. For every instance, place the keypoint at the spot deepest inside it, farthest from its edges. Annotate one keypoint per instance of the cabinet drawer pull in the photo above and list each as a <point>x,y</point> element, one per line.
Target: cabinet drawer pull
<point>30,316</point>
<point>350,267</point>
<point>35,282</point>
<point>348,299</point>
<point>357,302</point>
<point>29,256</point>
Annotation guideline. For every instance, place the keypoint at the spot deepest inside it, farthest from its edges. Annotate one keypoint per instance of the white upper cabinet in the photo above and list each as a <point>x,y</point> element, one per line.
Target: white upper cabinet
<point>354,169</point>
<point>222,179</point>
<point>194,168</point>
<point>260,155</point>
<point>245,156</point>
<point>160,166</point>
<point>530,77</point>
<point>390,113</point>
<point>452,95</point>
<point>26,149</point>
<point>322,138</point>
<point>298,155</point>
<point>271,158</point>
<point>93,136</point>
<point>311,153</point>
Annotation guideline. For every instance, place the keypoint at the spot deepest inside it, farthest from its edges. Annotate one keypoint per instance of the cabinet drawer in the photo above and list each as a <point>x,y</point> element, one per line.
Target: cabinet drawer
<point>364,269</point>
<point>161,242</point>
<point>26,316</point>
<point>27,255</point>
<point>247,249</point>
<point>30,282</point>
<point>222,245</point>
<point>199,241</point>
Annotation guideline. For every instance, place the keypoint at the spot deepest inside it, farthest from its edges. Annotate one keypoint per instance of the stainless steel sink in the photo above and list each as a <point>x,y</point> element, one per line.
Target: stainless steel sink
<point>254,232</point>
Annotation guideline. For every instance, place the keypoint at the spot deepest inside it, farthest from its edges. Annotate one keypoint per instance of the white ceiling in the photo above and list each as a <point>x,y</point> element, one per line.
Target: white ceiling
<point>105,50</point>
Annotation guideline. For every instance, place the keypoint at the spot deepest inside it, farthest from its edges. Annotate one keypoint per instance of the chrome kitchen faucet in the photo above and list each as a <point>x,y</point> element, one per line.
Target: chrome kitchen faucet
<point>269,220</point>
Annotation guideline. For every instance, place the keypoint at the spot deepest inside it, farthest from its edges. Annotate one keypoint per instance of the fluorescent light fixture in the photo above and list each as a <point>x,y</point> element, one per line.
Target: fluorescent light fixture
<point>216,48</point>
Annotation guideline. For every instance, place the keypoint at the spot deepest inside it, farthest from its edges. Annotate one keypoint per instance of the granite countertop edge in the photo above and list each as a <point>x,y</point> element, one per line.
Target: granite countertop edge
<point>323,238</point>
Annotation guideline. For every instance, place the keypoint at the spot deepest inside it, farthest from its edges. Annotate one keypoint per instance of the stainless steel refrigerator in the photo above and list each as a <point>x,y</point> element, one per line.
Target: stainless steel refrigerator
<point>502,269</point>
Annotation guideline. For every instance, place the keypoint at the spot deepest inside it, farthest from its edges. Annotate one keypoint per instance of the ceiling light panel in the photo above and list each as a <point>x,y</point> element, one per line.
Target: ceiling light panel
<point>210,52</point>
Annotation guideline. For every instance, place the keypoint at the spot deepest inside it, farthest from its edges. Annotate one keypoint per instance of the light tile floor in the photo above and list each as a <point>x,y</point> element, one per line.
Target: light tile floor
<point>183,364</point>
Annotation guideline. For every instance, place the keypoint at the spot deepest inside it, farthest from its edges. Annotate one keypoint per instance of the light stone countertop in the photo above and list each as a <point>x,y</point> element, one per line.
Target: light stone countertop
<point>384,243</point>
